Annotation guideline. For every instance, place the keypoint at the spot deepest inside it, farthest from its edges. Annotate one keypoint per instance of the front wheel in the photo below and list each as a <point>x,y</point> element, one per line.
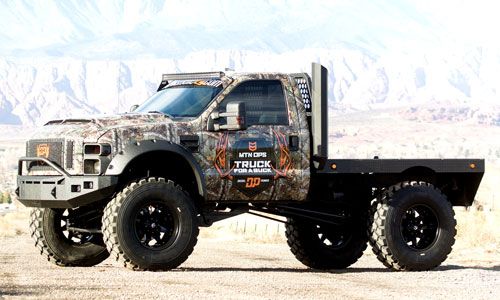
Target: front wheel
<point>412,227</point>
<point>59,239</point>
<point>150,225</point>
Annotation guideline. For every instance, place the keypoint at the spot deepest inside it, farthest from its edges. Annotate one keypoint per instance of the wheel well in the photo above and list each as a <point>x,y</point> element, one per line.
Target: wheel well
<point>420,173</point>
<point>166,164</point>
<point>451,184</point>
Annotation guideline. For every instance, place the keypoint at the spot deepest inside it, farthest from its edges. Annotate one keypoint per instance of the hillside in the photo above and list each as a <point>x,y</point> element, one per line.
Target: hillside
<point>72,57</point>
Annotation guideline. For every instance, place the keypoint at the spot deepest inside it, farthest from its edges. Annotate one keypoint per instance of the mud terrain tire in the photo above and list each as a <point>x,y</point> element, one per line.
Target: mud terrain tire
<point>412,227</point>
<point>48,233</point>
<point>326,246</point>
<point>150,225</point>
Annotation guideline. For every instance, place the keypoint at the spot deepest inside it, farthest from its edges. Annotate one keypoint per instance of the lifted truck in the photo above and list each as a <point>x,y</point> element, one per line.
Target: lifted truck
<point>209,146</point>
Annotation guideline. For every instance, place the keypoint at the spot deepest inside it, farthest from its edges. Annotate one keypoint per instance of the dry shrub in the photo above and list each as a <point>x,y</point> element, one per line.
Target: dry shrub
<point>246,228</point>
<point>14,223</point>
<point>478,229</point>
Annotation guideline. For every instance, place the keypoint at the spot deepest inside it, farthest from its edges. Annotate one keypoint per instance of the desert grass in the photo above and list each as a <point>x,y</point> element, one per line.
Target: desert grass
<point>478,229</point>
<point>475,229</point>
<point>246,228</point>
<point>14,223</point>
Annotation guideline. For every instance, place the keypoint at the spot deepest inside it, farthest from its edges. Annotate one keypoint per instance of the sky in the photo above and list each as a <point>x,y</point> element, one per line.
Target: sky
<point>172,28</point>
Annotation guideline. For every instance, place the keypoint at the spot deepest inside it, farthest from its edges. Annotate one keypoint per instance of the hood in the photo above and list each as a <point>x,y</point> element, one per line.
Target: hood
<point>91,128</point>
<point>105,122</point>
<point>66,138</point>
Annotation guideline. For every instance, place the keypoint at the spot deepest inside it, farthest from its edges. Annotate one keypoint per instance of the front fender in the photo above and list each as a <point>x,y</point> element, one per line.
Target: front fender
<point>134,150</point>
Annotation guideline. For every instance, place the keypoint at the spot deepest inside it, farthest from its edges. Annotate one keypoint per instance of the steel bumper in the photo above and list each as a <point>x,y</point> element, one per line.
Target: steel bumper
<point>61,191</point>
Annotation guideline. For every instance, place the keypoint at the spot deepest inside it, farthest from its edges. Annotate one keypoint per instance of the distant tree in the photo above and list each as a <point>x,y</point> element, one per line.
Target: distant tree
<point>8,198</point>
<point>5,197</point>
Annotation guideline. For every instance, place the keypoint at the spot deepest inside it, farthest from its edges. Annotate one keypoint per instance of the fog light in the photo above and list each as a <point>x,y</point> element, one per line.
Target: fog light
<point>91,166</point>
<point>88,185</point>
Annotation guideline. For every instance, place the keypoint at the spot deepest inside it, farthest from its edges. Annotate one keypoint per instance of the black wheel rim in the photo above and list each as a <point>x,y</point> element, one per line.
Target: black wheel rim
<point>419,227</point>
<point>64,219</point>
<point>332,237</point>
<point>156,227</point>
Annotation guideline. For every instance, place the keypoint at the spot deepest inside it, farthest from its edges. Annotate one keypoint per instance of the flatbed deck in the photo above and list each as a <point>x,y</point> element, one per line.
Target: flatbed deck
<point>460,178</point>
<point>363,166</point>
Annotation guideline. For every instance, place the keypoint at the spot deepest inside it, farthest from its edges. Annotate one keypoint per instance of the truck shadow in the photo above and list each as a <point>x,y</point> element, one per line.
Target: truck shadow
<point>285,270</point>
<point>456,267</point>
<point>342,271</point>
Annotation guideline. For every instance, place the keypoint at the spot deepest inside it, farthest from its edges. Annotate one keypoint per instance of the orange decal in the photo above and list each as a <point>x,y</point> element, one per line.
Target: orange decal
<point>252,146</point>
<point>43,150</point>
<point>252,182</point>
<point>285,160</point>
<point>220,157</point>
<point>200,82</point>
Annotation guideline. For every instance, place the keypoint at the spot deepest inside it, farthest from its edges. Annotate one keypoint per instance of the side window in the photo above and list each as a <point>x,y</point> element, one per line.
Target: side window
<point>264,102</point>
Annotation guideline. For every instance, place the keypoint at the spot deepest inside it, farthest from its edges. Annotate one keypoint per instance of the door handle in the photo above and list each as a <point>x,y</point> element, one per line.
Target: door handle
<point>293,143</point>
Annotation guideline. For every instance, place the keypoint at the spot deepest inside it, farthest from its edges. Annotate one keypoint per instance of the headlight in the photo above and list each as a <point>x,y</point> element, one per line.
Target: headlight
<point>97,149</point>
<point>91,166</point>
<point>96,158</point>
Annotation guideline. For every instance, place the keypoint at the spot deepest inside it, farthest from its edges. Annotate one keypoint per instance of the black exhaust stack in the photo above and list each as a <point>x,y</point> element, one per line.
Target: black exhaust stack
<point>319,111</point>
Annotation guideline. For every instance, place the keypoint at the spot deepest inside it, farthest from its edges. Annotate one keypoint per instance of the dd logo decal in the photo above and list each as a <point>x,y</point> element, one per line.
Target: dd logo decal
<point>252,182</point>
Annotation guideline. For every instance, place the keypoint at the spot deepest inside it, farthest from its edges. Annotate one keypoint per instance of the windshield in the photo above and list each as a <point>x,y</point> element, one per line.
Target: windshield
<point>180,101</point>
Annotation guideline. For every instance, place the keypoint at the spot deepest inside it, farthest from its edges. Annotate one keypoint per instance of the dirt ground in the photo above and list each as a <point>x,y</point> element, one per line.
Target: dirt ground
<point>222,268</point>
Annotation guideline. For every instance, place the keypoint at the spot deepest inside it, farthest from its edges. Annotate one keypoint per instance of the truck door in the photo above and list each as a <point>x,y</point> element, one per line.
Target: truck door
<point>263,162</point>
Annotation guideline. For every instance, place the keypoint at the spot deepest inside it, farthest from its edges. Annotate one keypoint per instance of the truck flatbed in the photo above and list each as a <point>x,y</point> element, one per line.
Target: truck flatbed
<point>460,178</point>
<point>384,166</point>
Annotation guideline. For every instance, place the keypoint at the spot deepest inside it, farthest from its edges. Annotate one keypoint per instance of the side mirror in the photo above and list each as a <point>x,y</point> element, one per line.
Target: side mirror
<point>133,107</point>
<point>235,117</point>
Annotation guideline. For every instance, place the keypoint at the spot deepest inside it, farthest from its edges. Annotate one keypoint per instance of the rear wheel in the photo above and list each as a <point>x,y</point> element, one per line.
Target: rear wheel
<point>412,227</point>
<point>328,246</point>
<point>58,237</point>
<point>150,225</point>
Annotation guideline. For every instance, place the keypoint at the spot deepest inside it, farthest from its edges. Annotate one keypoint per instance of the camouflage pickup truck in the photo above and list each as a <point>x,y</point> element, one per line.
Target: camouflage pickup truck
<point>209,146</point>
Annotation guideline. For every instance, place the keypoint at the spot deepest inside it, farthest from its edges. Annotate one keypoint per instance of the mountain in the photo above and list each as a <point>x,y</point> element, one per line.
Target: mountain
<point>62,58</point>
<point>33,91</point>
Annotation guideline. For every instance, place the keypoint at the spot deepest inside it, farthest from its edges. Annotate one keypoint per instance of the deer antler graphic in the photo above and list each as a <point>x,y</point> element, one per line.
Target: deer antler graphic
<point>285,160</point>
<point>220,157</point>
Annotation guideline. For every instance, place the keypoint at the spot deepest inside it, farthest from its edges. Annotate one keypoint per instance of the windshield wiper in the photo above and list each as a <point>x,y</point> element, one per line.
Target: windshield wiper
<point>160,112</point>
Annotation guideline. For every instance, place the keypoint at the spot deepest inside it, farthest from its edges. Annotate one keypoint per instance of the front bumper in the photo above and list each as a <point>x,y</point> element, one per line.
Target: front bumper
<point>61,191</point>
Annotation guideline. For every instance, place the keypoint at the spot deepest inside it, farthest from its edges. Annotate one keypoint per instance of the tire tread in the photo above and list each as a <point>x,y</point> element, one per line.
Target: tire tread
<point>378,219</point>
<point>110,230</point>
<point>38,235</point>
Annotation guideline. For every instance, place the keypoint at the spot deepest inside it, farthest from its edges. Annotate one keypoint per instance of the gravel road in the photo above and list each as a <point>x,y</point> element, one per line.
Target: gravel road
<point>221,268</point>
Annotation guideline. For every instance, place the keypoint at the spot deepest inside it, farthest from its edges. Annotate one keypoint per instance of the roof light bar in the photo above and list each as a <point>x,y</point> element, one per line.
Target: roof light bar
<point>188,76</point>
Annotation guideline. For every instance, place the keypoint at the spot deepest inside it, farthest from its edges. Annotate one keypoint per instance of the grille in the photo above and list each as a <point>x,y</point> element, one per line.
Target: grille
<point>51,149</point>
<point>69,155</point>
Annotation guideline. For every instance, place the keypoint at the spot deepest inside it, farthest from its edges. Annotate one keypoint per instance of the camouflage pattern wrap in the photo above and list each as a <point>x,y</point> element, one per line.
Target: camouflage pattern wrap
<point>117,130</point>
<point>286,173</point>
<point>295,185</point>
